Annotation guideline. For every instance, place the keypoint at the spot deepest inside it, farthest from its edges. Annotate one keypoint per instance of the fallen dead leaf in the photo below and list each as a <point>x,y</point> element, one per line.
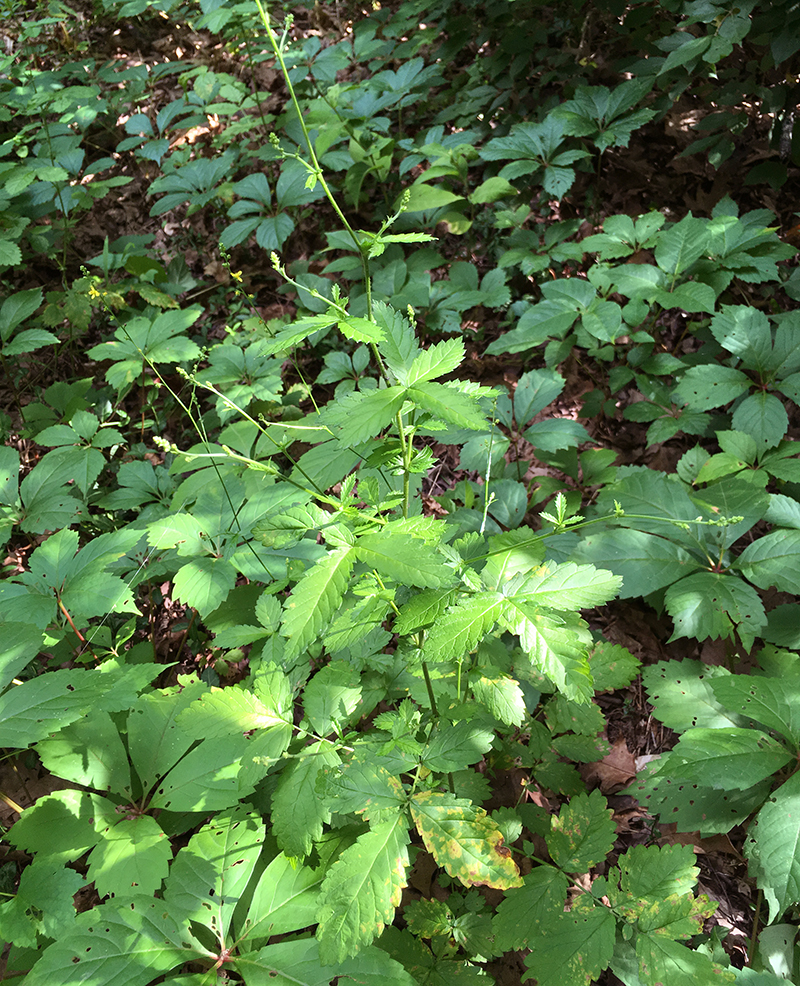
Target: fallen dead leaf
<point>614,772</point>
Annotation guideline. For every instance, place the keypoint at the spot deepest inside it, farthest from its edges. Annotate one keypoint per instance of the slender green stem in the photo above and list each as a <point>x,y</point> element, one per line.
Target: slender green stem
<point>315,168</point>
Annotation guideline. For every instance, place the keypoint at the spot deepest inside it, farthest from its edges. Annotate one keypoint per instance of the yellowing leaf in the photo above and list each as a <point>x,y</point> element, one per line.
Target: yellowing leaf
<point>464,840</point>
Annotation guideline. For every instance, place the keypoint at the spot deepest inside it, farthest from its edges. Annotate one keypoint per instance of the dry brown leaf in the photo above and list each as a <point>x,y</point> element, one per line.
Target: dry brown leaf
<point>614,772</point>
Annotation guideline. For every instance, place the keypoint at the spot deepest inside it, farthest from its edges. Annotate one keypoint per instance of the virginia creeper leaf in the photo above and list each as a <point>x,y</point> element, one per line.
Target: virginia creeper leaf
<point>726,758</point>
<point>773,848</point>
<point>209,875</point>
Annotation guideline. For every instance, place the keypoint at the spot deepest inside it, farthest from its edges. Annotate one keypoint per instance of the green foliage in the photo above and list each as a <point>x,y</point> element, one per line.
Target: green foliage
<point>359,661</point>
<point>739,738</point>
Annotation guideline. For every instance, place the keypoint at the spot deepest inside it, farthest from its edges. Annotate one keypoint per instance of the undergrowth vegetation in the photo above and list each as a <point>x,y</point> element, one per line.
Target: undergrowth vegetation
<point>350,373</point>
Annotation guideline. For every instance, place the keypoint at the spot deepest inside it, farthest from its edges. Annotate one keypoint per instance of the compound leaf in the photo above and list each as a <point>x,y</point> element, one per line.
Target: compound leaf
<point>773,848</point>
<point>131,857</point>
<point>665,961</point>
<point>582,834</point>
<point>458,632</point>
<point>362,889</point>
<point>129,946</point>
<point>464,840</point>
<point>298,813</point>
<point>726,758</point>
<point>209,875</point>
<point>315,599</point>
<point>404,559</point>
<point>573,949</point>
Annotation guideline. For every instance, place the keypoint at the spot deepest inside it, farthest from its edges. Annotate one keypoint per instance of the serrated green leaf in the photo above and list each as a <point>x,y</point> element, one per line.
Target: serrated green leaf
<point>285,899</point>
<point>448,404</point>
<point>69,813</point>
<point>131,857</point>
<point>360,329</point>
<point>423,608</point>
<point>645,562</point>
<point>331,697</point>
<point>555,646</point>
<point>204,583</point>
<point>582,834</point>
<point>510,553</point>
<point>679,246</point>
<point>16,308</point>
<point>726,758</point>
<point>399,346</point>
<point>773,560</point>
<point>222,712</point>
<point>296,332</point>
<point>32,710</point>
<point>209,875</point>
<point>298,813</point>
<point>315,599</point>
<point>423,197</point>
<point>555,434</point>
<point>360,416</point>
<point>530,907</point>
<point>362,889</point>
<point>744,331</point>
<point>464,840</point>
<point>127,946</point>
<point>775,703</point>
<point>21,643</point>
<point>288,963</point>
<point>89,752</point>
<point>656,872</point>
<point>458,632</point>
<point>682,695</point>
<point>711,604</point>
<point>29,341</point>
<point>404,559</point>
<point>664,960</point>
<point>569,586</point>
<point>773,848</point>
<point>43,903</point>
<point>710,385</point>
<point>281,530</point>
<point>763,417</point>
<point>573,949</point>
<point>613,666</point>
<point>501,696</point>
<point>155,742</point>
<point>361,787</point>
<point>206,779</point>
<point>693,807</point>
<point>435,361</point>
<point>457,746</point>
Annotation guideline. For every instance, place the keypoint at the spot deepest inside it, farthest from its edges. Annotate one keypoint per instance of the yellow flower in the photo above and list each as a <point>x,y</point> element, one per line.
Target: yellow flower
<point>237,275</point>
<point>93,292</point>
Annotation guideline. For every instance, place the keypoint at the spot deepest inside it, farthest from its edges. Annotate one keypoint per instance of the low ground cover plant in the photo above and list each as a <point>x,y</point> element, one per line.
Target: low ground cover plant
<point>273,676</point>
